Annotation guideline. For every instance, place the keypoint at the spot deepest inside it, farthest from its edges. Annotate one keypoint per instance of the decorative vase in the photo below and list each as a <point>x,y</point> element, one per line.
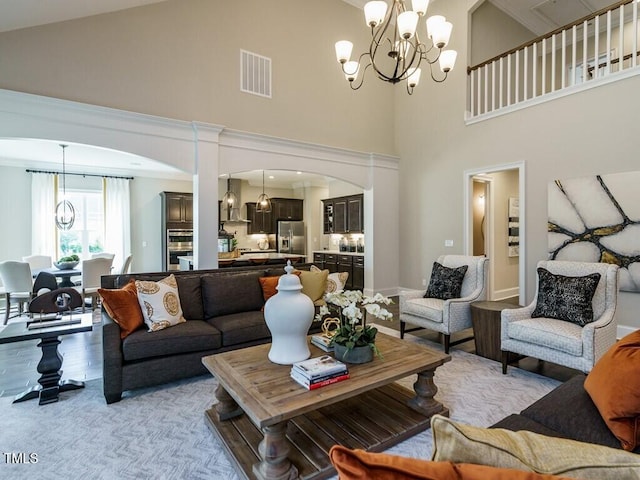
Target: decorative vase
<point>289,315</point>
<point>362,354</point>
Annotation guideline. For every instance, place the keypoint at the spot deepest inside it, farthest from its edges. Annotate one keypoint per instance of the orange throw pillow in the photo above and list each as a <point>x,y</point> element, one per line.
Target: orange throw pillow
<point>269,285</point>
<point>122,305</point>
<point>614,386</point>
<point>361,465</point>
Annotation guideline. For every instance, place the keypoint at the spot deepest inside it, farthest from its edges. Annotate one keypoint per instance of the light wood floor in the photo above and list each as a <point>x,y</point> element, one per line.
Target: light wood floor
<point>82,354</point>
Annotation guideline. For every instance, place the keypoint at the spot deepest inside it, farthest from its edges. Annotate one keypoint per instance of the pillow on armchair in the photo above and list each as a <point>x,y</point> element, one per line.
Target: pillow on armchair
<point>445,282</point>
<point>566,298</point>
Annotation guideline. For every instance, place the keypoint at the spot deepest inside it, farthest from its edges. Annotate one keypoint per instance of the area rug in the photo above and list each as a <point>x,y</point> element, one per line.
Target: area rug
<point>160,433</point>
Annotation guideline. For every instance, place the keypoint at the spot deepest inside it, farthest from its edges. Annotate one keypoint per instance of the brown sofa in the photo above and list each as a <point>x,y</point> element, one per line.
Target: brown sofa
<point>223,309</point>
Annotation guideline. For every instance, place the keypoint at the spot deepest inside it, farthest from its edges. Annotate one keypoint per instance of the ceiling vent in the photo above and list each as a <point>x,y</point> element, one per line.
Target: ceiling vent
<point>255,74</point>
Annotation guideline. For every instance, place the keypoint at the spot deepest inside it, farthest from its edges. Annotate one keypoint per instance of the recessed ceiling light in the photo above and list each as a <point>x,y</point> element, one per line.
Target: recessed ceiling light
<point>298,173</point>
<point>271,177</point>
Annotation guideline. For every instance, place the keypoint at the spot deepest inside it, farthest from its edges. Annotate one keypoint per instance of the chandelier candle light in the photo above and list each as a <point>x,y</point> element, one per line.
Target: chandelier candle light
<point>396,52</point>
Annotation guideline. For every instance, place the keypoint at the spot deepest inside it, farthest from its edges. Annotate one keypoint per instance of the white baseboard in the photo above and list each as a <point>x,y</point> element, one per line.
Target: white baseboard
<point>624,330</point>
<point>506,293</point>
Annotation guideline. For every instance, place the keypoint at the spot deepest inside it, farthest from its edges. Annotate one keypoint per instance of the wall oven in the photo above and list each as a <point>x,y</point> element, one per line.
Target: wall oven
<point>179,244</point>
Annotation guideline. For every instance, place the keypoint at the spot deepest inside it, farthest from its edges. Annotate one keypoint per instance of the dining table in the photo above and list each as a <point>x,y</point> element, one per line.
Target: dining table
<point>63,275</point>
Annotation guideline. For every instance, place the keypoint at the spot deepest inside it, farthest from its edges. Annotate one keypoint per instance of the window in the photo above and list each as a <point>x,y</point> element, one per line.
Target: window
<point>87,234</point>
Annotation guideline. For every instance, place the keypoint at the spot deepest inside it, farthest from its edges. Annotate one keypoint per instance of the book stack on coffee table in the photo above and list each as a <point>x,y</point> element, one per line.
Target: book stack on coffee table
<point>319,371</point>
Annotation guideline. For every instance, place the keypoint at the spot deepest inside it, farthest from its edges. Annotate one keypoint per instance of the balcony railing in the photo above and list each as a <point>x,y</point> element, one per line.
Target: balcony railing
<point>593,49</point>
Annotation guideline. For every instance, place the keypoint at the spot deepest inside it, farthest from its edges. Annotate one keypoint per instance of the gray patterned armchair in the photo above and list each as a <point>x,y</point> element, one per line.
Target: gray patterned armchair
<point>559,341</point>
<point>446,316</point>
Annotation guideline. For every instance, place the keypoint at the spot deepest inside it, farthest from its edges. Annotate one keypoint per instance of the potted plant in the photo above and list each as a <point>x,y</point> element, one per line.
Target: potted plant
<point>353,340</point>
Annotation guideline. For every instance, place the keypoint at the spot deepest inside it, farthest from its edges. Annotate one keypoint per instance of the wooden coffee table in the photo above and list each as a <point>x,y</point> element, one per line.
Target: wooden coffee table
<point>274,428</point>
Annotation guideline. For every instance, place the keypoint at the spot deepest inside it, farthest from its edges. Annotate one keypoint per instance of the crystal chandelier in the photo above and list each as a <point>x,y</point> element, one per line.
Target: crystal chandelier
<point>396,52</point>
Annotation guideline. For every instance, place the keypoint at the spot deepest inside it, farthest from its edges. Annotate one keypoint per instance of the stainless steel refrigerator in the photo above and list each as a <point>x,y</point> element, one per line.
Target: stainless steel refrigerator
<point>291,237</point>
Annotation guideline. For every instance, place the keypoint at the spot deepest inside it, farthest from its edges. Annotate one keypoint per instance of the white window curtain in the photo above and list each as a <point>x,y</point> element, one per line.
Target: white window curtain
<point>117,224</point>
<point>43,208</point>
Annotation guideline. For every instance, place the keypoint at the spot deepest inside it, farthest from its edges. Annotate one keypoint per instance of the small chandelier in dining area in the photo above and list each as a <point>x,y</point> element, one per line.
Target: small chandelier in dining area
<point>65,213</point>
<point>396,51</point>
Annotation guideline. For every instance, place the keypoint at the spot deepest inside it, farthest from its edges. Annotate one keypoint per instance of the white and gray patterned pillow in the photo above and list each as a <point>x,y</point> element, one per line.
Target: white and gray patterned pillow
<point>445,282</point>
<point>565,298</point>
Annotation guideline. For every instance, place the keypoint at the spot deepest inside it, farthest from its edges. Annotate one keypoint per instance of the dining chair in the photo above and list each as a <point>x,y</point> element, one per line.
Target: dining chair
<point>126,265</point>
<point>17,283</point>
<point>38,262</point>
<point>92,270</point>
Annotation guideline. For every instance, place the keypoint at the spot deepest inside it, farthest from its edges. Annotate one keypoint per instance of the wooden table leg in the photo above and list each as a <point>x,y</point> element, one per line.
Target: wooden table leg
<point>426,389</point>
<point>226,407</point>
<point>273,450</point>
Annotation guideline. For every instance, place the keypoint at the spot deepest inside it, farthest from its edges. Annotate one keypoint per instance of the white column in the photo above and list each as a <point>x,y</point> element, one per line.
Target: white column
<point>205,195</point>
<point>382,227</point>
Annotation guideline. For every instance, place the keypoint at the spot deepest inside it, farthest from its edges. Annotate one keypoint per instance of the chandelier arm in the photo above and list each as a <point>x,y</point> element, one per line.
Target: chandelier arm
<point>434,78</point>
<point>351,84</point>
<point>427,59</point>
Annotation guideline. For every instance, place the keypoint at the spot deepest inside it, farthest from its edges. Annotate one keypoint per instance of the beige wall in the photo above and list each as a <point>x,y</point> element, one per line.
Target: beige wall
<point>493,32</point>
<point>554,140</point>
<point>180,59</point>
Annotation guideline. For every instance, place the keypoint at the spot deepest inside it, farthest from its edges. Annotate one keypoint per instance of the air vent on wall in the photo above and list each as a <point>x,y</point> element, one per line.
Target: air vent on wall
<point>255,74</point>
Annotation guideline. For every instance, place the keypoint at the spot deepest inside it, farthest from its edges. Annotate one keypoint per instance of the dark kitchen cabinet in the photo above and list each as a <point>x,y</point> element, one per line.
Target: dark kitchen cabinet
<point>259,222</point>
<point>177,209</point>
<point>352,264</point>
<point>343,214</point>
<point>340,215</point>
<point>331,262</point>
<point>345,264</point>
<point>355,214</point>
<point>358,273</point>
<point>327,216</point>
<point>287,209</point>
<point>318,260</point>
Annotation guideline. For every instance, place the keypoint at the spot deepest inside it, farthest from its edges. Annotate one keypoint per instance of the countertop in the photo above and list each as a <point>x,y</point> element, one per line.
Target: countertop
<point>253,256</point>
<point>338,252</point>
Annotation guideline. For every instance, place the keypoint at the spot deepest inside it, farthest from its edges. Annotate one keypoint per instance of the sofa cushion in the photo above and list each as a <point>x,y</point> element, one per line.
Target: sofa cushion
<point>238,328</point>
<point>224,294</point>
<point>160,303</point>
<point>190,297</point>
<point>563,336</point>
<point>614,386</point>
<point>430,308</point>
<point>358,465</point>
<point>445,282</point>
<point>566,298</point>
<point>553,410</point>
<point>186,337</point>
<point>122,306</point>
<point>529,451</point>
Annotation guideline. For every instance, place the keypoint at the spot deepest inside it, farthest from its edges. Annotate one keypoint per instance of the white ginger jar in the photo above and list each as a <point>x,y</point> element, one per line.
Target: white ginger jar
<point>289,315</point>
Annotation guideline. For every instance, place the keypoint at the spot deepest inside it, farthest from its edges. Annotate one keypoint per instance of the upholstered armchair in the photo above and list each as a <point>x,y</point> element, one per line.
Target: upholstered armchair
<point>451,315</point>
<point>573,343</point>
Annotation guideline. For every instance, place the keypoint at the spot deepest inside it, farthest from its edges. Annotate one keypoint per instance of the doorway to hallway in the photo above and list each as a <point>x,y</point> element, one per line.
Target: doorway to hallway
<point>494,220</point>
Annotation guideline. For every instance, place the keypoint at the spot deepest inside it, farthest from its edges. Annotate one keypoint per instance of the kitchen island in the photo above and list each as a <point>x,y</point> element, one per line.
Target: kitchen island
<point>269,258</point>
